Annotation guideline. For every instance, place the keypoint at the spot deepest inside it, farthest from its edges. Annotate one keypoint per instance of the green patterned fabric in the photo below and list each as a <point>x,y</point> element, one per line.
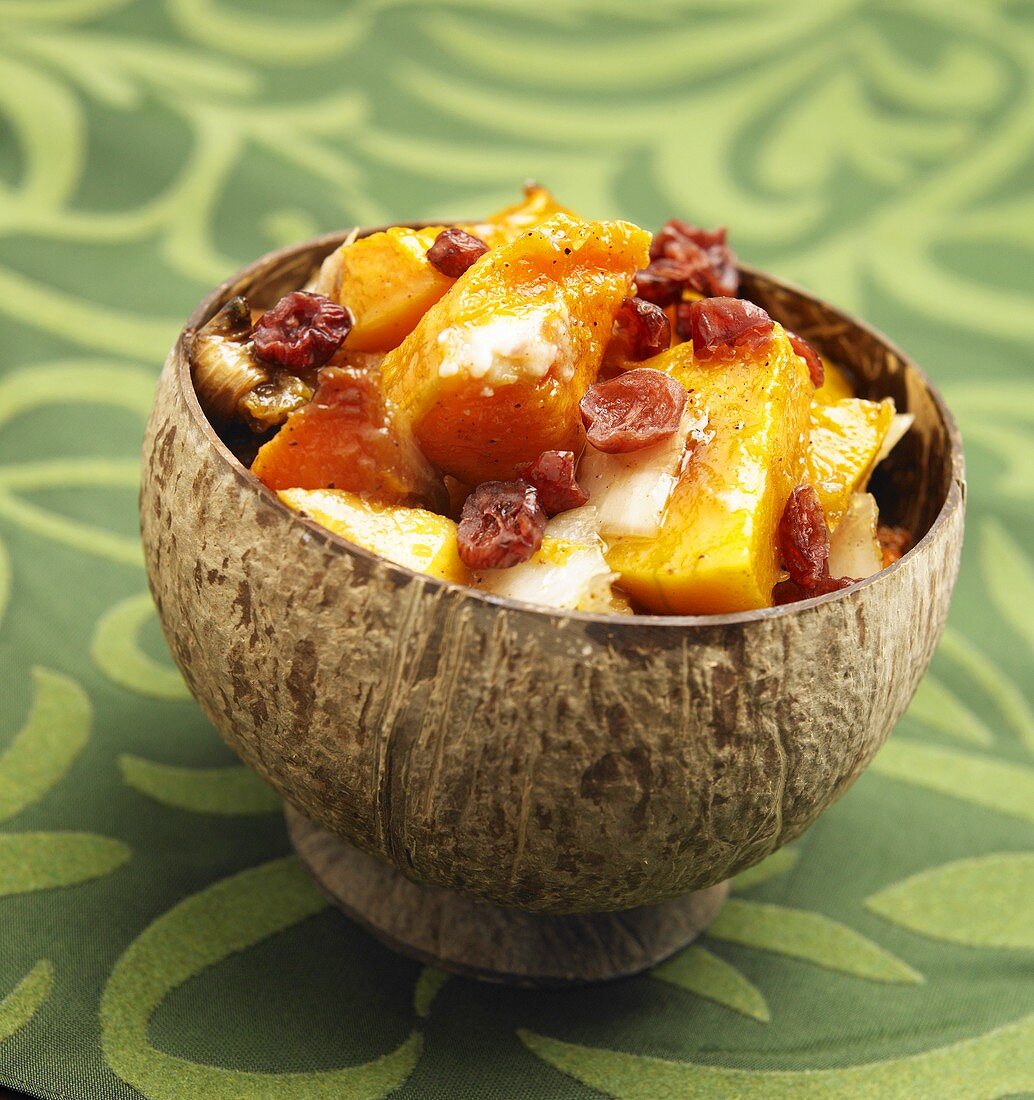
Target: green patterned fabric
<point>157,937</point>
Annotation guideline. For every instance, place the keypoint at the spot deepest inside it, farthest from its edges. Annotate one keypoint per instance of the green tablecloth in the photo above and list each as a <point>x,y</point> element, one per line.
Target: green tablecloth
<point>156,936</point>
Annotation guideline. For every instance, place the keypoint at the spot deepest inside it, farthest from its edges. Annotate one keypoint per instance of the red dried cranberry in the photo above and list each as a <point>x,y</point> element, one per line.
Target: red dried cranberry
<point>683,326</point>
<point>643,328</point>
<point>553,475</point>
<point>454,250</point>
<point>712,263</point>
<point>675,233</point>
<point>632,410</point>
<point>501,525</point>
<point>717,324</point>
<point>816,371</point>
<point>803,538</point>
<point>301,331</point>
<point>661,283</point>
<point>788,592</point>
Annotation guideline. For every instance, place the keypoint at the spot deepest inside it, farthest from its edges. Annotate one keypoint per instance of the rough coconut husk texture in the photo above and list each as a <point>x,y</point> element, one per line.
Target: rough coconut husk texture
<point>537,759</point>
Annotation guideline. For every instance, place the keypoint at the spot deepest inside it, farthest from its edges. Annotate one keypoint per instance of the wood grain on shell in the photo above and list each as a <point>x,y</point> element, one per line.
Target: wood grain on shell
<point>537,759</point>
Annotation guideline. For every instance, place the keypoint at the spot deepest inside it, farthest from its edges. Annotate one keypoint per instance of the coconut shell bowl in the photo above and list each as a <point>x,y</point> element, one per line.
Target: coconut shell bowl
<point>513,792</point>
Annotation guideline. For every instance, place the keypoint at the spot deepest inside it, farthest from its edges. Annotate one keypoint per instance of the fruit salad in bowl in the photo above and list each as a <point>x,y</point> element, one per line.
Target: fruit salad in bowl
<point>569,412</point>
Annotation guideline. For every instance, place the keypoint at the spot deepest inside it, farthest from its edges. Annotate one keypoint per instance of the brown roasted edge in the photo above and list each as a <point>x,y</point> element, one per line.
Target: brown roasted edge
<point>541,760</point>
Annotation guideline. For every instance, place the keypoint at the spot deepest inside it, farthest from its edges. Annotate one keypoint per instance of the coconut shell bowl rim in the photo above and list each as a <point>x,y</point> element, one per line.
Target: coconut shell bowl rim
<point>247,277</point>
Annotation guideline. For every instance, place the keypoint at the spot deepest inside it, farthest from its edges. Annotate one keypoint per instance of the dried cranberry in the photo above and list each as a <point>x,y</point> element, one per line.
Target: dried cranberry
<point>683,325</point>
<point>711,262</point>
<point>803,538</point>
<point>301,331</point>
<point>675,234</point>
<point>454,250</point>
<point>643,328</point>
<point>789,592</point>
<point>717,324</point>
<point>661,283</point>
<point>501,525</point>
<point>632,410</point>
<point>553,475</point>
<point>810,356</point>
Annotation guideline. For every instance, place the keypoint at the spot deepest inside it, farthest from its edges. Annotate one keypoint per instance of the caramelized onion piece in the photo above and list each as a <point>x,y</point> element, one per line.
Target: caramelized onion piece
<point>501,525</point>
<point>223,361</point>
<point>271,403</point>
<point>633,410</point>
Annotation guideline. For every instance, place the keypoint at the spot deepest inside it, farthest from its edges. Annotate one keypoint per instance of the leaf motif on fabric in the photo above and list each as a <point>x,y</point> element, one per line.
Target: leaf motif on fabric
<point>201,930</point>
<point>1008,579</point>
<point>938,707</point>
<point>116,650</point>
<point>228,792</point>
<point>1001,693</point>
<point>428,986</point>
<point>810,937</point>
<point>70,473</point>
<point>997,1063</point>
<point>45,861</point>
<point>700,971</point>
<point>979,780</point>
<point>986,901</point>
<point>5,580</point>
<point>42,751</point>
<point>780,862</point>
<point>23,1002</point>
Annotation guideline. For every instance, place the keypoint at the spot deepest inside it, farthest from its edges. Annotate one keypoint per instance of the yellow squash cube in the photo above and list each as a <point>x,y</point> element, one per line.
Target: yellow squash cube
<point>422,541</point>
<point>845,439</point>
<point>716,549</point>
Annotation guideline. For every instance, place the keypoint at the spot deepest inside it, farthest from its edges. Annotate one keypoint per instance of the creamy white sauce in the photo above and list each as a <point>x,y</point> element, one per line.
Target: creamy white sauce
<point>510,348</point>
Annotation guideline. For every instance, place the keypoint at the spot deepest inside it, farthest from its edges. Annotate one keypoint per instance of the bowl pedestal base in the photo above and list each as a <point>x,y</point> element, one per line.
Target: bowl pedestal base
<point>458,934</point>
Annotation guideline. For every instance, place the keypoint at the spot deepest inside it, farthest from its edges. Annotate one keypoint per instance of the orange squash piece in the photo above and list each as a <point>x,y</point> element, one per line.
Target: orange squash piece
<point>386,281</point>
<point>345,439</point>
<point>537,206</point>
<point>716,549</point>
<point>846,437</point>
<point>388,285</point>
<point>493,373</point>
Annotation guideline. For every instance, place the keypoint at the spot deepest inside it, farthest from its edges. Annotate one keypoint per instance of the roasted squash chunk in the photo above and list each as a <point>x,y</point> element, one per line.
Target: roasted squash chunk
<point>537,206</point>
<point>716,549</point>
<point>845,439</point>
<point>388,285</point>
<point>835,385</point>
<point>492,375</point>
<point>387,282</point>
<point>421,540</point>
<point>345,439</point>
